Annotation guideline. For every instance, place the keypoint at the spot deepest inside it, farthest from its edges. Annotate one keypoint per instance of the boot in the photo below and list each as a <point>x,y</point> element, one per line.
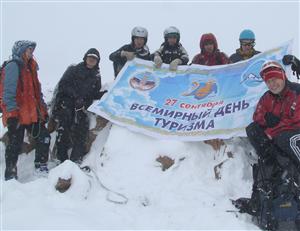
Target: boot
<point>11,172</point>
<point>246,205</point>
<point>41,169</point>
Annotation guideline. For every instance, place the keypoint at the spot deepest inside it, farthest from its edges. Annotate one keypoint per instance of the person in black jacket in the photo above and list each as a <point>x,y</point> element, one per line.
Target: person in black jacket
<point>171,51</point>
<point>137,48</point>
<point>78,87</point>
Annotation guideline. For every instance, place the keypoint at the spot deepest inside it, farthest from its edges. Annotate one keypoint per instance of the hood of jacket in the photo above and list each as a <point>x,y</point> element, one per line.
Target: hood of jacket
<point>94,52</point>
<point>206,37</point>
<point>20,47</point>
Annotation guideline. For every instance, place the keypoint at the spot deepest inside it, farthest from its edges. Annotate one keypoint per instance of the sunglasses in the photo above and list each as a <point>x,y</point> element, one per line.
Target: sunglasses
<point>251,44</point>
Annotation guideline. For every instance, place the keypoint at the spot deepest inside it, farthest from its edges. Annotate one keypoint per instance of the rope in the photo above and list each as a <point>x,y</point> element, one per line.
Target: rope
<point>39,130</point>
<point>125,199</point>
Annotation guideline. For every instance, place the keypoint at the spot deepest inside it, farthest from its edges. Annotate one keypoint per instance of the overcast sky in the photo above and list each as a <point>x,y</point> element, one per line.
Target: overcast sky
<point>65,30</point>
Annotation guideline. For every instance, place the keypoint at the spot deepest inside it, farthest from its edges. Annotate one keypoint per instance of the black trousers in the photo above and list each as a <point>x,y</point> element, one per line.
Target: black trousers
<point>72,133</point>
<point>284,147</point>
<point>275,156</point>
<point>15,140</point>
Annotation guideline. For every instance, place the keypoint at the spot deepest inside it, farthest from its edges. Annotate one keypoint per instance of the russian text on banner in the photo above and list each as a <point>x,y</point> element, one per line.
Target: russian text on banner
<point>194,103</point>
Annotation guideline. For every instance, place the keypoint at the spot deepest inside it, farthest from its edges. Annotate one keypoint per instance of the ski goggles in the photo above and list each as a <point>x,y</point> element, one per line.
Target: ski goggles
<point>251,44</point>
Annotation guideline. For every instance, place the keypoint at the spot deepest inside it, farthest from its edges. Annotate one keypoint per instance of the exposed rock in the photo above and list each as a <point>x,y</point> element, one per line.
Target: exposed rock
<point>166,162</point>
<point>63,184</point>
<point>215,143</point>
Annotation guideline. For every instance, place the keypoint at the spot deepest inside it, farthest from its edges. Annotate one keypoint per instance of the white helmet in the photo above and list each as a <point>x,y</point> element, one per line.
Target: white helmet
<point>139,32</point>
<point>172,30</point>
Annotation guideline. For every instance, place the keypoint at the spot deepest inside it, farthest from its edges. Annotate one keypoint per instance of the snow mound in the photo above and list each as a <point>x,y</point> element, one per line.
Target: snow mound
<point>193,193</point>
<point>80,182</point>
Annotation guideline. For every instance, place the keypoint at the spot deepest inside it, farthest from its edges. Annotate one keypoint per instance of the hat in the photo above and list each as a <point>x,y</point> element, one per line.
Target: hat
<point>92,52</point>
<point>93,55</point>
<point>272,69</point>
<point>20,47</point>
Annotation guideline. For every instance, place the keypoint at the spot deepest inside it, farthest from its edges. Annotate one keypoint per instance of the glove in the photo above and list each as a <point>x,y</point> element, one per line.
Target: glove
<point>100,94</point>
<point>290,59</point>
<point>174,64</point>
<point>80,116</point>
<point>271,119</point>
<point>287,59</point>
<point>79,104</point>
<point>157,61</point>
<point>52,125</point>
<point>128,55</point>
<point>13,123</point>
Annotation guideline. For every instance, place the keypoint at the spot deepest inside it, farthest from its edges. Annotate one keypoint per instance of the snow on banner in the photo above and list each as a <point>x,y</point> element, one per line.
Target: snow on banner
<point>192,104</point>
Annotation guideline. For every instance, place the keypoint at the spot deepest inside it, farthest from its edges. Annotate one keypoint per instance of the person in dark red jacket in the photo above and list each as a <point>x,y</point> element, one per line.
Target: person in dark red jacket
<point>210,55</point>
<point>275,130</point>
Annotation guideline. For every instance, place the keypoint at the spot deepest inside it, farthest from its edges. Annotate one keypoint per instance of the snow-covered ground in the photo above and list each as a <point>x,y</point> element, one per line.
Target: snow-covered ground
<point>185,196</point>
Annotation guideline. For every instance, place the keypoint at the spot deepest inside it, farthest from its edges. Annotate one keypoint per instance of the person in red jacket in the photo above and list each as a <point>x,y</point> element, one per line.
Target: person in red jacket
<point>277,115</point>
<point>24,108</point>
<point>210,55</point>
<point>275,131</point>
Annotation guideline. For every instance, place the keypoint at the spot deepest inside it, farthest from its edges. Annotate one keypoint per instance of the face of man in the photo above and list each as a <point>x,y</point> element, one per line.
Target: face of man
<point>172,40</point>
<point>247,45</point>
<point>138,42</point>
<point>91,62</point>
<point>275,85</point>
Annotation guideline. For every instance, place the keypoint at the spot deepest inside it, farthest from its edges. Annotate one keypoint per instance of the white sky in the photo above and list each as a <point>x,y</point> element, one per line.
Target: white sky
<point>65,30</point>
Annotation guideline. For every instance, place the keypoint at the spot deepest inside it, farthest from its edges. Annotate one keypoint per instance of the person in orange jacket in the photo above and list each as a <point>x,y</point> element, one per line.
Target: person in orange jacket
<point>24,108</point>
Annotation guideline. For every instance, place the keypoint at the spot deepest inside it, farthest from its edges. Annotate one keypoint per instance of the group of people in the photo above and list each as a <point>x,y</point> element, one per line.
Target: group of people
<point>275,130</point>
<point>173,53</point>
<point>23,107</point>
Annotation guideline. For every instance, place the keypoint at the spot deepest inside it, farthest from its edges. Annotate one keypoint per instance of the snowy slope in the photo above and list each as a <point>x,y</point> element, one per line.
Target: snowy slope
<point>185,196</point>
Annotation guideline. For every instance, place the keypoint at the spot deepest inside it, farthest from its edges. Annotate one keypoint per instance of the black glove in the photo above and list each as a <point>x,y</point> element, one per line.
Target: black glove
<point>79,104</point>
<point>12,123</point>
<point>292,60</point>
<point>100,94</point>
<point>287,59</point>
<point>271,119</point>
<point>80,117</point>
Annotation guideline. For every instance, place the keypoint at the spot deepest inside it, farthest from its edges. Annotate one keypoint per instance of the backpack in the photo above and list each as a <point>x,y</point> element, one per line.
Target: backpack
<point>277,197</point>
<point>2,79</point>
